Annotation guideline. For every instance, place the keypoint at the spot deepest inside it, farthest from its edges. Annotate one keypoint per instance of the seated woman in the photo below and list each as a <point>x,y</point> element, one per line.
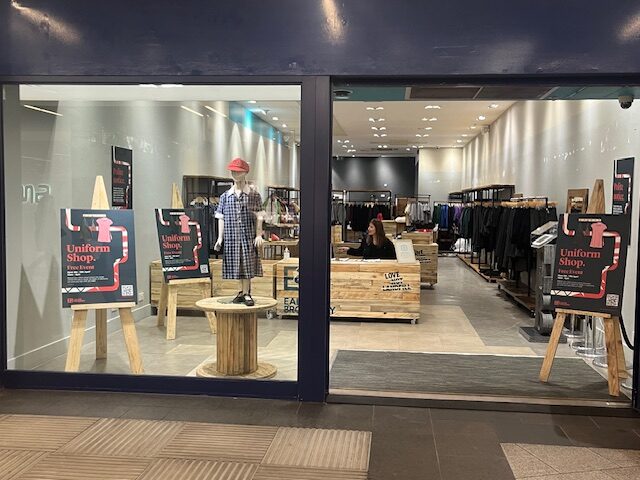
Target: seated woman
<point>374,245</point>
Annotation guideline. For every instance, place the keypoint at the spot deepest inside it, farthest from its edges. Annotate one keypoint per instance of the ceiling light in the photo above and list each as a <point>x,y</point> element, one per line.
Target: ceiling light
<point>379,146</point>
<point>353,155</point>
<point>346,141</point>
<point>345,146</point>
<point>43,110</point>
<point>192,111</point>
<point>425,134</point>
<point>374,128</point>
<point>251,101</point>
<point>408,149</point>
<point>433,119</point>
<point>382,128</point>
<point>464,135</point>
<point>275,118</point>
<point>494,105</point>
<point>375,108</point>
<point>383,134</point>
<point>420,146</point>
<point>215,111</point>
<point>418,135</point>
<point>371,119</point>
<point>284,125</point>
<point>459,141</point>
<point>381,119</point>
<point>379,108</point>
<point>414,146</point>
<point>339,141</point>
<point>424,119</point>
<point>376,135</point>
<point>428,128</point>
<point>481,117</point>
<point>472,127</point>
<point>429,107</point>
<point>385,146</point>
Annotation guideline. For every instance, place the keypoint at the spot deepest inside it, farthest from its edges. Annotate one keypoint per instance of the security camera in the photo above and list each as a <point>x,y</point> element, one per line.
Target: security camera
<point>625,101</point>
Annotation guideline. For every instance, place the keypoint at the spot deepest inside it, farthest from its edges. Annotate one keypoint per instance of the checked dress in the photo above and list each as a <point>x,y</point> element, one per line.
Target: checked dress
<point>240,259</point>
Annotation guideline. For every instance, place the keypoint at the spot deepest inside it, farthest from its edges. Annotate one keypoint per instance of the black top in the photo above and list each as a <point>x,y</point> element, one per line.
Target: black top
<point>369,250</point>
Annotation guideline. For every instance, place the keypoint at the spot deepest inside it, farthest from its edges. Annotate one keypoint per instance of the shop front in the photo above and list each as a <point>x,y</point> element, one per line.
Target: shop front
<point>182,219</point>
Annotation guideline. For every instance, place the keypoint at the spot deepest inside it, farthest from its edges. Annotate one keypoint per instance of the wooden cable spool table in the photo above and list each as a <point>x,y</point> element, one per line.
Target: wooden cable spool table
<point>236,339</point>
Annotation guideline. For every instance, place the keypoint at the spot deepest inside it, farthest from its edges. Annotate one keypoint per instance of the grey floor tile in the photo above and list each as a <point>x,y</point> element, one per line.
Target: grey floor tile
<point>405,456</point>
<point>484,445</point>
<point>401,418</point>
<point>603,438</point>
<point>540,434</point>
<point>349,417</point>
<point>469,468</point>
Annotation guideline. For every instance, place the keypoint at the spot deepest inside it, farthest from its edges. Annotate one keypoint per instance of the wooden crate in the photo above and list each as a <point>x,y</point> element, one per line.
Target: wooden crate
<point>427,255</point>
<point>188,295</point>
<point>392,228</point>
<point>260,286</point>
<point>374,290</point>
<point>337,246</point>
<point>418,237</point>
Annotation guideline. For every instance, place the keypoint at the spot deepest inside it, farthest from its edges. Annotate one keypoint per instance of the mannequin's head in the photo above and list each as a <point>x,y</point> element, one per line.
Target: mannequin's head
<point>238,176</point>
<point>239,169</point>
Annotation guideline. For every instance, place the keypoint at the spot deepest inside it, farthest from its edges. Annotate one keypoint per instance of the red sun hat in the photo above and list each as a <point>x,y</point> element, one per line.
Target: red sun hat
<point>238,165</point>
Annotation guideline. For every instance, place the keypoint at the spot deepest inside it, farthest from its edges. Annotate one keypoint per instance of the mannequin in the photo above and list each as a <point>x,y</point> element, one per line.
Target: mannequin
<point>240,218</point>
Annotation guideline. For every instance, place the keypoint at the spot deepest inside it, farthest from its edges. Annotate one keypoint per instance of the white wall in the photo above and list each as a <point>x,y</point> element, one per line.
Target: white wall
<point>439,172</point>
<point>67,153</point>
<point>547,147</point>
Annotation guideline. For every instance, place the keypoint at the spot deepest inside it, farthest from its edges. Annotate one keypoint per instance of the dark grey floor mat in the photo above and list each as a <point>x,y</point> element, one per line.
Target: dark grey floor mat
<point>465,374</point>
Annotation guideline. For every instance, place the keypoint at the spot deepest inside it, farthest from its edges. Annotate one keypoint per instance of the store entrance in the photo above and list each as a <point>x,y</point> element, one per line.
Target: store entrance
<point>442,276</point>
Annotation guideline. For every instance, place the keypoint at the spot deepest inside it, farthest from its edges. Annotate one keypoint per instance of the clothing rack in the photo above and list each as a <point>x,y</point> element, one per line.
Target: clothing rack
<point>347,198</point>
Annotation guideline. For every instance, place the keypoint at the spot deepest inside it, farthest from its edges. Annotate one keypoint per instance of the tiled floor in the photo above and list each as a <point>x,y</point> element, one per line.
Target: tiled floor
<point>406,443</point>
<point>86,448</point>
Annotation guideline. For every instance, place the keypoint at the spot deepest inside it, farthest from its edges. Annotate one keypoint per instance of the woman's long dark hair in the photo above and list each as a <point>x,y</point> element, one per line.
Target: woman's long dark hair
<point>378,238</point>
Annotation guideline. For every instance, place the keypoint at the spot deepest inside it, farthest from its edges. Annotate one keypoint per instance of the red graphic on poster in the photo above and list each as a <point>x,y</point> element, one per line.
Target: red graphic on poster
<point>96,256</point>
<point>589,273</point>
<point>181,244</point>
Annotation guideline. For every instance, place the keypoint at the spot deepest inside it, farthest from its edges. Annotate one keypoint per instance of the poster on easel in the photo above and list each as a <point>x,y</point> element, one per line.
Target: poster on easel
<point>623,186</point>
<point>590,263</point>
<point>121,178</point>
<point>98,256</point>
<point>184,251</point>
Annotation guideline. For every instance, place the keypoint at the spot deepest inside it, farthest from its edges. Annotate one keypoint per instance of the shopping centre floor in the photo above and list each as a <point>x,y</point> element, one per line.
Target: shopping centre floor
<point>461,314</point>
<point>105,436</point>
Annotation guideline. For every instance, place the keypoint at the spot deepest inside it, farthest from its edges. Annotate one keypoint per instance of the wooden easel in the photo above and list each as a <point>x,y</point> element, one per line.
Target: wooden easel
<point>168,304</point>
<point>79,319</point>
<point>616,367</point>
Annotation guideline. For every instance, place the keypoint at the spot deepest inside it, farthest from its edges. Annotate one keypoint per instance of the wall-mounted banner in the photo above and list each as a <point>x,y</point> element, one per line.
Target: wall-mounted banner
<point>121,177</point>
<point>622,186</point>
<point>184,249</point>
<point>590,263</point>
<point>98,256</point>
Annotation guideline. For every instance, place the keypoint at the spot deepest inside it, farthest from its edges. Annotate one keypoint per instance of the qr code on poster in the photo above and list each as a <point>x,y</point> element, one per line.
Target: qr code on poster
<point>204,268</point>
<point>126,290</point>
<point>613,300</point>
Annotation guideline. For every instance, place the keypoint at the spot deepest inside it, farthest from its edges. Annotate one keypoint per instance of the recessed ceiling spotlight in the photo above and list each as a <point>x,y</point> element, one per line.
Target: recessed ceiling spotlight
<point>371,119</point>
<point>353,155</point>
<point>284,125</point>
<point>345,146</point>
<point>385,146</point>
<point>481,117</point>
<point>424,119</point>
<point>459,141</point>
<point>379,146</point>
<point>425,134</point>
<point>381,119</point>
<point>472,127</point>
<point>383,134</point>
<point>251,101</point>
<point>414,146</point>
<point>433,119</point>
<point>420,146</point>
<point>375,108</point>
<point>339,141</point>
<point>464,135</point>
<point>374,128</point>
<point>429,107</point>
<point>408,149</point>
<point>418,135</point>
<point>376,135</point>
<point>494,105</point>
<point>382,128</point>
<point>275,118</point>
<point>346,141</point>
<point>428,128</point>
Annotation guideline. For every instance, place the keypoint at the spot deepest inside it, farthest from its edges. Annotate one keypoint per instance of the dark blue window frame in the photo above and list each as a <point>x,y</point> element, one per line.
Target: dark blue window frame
<point>313,324</point>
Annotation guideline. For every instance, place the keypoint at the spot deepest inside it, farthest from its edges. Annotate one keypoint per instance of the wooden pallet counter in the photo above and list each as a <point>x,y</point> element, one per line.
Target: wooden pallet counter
<point>376,290</point>
<point>427,255</point>
<point>188,295</point>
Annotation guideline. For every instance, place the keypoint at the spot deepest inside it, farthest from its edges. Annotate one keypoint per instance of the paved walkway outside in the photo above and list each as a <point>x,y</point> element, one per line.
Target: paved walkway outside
<point>406,443</point>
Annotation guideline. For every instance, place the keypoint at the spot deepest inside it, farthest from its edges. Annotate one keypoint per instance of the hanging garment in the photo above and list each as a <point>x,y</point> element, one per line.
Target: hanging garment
<point>240,260</point>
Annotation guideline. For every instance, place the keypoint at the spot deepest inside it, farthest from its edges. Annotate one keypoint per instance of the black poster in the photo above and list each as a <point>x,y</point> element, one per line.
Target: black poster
<point>98,256</point>
<point>623,186</point>
<point>184,243</point>
<point>121,178</point>
<point>591,252</point>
